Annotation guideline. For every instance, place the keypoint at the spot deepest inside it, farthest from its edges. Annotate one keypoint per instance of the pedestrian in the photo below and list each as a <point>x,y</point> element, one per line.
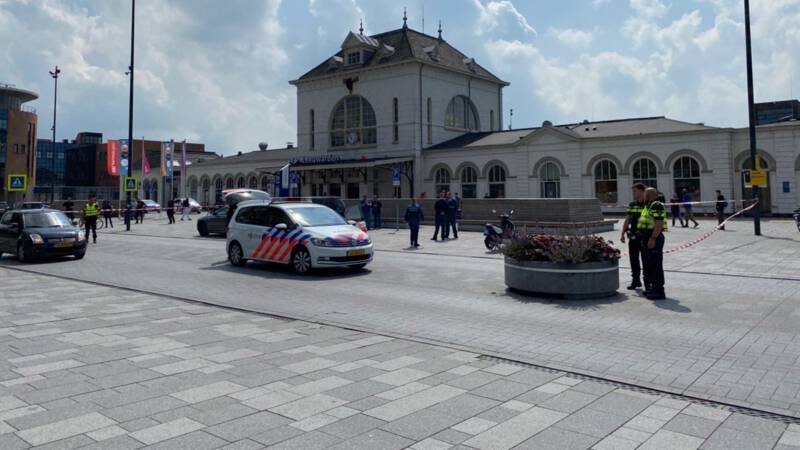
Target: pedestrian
<point>185,209</point>
<point>69,208</point>
<point>452,213</point>
<point>414,218</point>
<point>440,217</point>
<point>90,212</point>
<point>651,226</point>
<point>675,208</point>
<point>107,211</point>
<point>141,208</point>
<point>366,211</point>
<point>720,206</point>
<point>687,207</point>
<point>229,215</point>
<point>630,232</point>
<point>377,205</point>
<point>171,211</point>
<point>128,213</point>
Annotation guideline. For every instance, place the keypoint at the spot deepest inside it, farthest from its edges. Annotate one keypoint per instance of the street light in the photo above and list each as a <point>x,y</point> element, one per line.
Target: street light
<point>54,74</point>
<point>752,114</point>
<point>130,110</point>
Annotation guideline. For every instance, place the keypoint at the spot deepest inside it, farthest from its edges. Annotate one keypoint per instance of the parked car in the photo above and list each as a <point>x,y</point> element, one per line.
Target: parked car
<point>195,206</point>
<point>40,233</point>
<point>213,223</point>
<point>31,205</point>
<point>152,206</point>
<point>3,207</point>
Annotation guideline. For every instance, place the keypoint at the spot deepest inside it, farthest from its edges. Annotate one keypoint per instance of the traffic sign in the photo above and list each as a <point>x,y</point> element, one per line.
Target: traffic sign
<point>17,183</point>
<point>131,184</point>
<point>755,178</point>
<point>396,177</point>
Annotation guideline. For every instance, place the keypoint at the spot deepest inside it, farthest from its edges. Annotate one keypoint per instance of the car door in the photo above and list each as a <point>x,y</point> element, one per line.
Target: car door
<point>279,243</point>
<point>5,232</point>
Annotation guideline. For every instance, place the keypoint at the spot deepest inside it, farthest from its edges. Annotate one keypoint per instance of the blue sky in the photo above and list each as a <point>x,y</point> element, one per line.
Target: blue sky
<point>217,71</point>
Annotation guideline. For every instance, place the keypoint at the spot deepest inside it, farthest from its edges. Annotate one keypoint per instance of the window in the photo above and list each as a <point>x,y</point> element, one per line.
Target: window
<point>354,58</point>
<point>469,182</point>
<point>240,183</point>
<point>256,215</point>
<point>644,171</point>
<point>265,183</point>
<point>491,120</point>
<point>193,188</point>
<point>335,190</point>
<point>353,123</point>
<point>313,129</point>
<point>430,121</point>
<point>352,190</point>
<point>253,183</point>
<point>497,182</point>
<point>278,216</point>
<point>442,180</point>
<point>3,124</point>
<point>395,121</point>
<point>605,181</point>
<point>461,114</point>
<point>686,175</point>
<point>229,183</point>
<point>206,188</point>
<point>550,176</point>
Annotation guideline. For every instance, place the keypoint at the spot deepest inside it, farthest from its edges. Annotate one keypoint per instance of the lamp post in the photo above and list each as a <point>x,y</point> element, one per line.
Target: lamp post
<point>130,110</point>
<point>54,73</point>
<point>752,113</point>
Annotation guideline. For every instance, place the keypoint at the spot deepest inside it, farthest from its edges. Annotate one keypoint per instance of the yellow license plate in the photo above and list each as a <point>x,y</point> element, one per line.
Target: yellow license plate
<point>361,252</point>
<point>63,244</point>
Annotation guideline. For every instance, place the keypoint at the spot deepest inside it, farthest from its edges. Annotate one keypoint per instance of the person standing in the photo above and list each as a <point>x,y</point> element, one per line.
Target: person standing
<point>90,211</point>
<point>377,205</point>
<point>69,209</point>
<point>651,226</point>
<point>687,207</point>
<point>107,211</point>
<point>171,211</point>
<point>414,218</point>
<point>366,211</point>
<point>440,217</point>
<point>452,212</point>
<point>720,207</point>
<point>630,232</point>
<point>185,209</point>
<point>675,208</point>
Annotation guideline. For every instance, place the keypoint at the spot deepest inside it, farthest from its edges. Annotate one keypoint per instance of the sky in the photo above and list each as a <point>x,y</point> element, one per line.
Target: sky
<point>217,71</point>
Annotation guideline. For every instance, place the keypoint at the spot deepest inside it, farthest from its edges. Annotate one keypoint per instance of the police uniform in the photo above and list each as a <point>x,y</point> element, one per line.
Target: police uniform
<point>634,243</point>
<point>653,257</point>
<point>414,217</point>
<point>90,212</point>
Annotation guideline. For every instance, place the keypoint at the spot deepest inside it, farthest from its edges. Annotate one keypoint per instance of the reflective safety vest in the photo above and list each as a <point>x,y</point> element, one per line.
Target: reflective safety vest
<point>648,217</point>
<point>90,210</point>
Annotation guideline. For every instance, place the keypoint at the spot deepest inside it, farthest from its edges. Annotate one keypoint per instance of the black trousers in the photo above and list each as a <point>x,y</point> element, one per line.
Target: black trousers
<point>451,224</point>
<point>721,218</point>
<point>171,215</point>
<point>635,253</point>
<point>108,220</point>
<point>441,224</point>
<point>90,223</point>
<point>414,228</point>
<point>653,263</point>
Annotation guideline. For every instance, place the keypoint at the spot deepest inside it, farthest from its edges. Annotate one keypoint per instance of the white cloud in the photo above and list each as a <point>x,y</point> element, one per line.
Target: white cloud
<point>572,38</point>
<point>495,12</point>
<point>651,9</point>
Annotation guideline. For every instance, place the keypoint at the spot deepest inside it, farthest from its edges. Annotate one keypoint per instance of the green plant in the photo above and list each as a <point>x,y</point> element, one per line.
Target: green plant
<point>560,249</point>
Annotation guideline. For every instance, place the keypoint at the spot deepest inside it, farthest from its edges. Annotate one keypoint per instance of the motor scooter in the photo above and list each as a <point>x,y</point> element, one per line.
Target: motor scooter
<point>797,218</point>
<point>495,234</point>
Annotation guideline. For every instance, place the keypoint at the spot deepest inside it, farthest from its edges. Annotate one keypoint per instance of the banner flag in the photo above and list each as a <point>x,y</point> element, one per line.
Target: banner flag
<point>146,169</point>
<point>166,160</point>
<point>285,177</point>
<point>183,158</point>
<point>112,158</point>
<point>124,156</point>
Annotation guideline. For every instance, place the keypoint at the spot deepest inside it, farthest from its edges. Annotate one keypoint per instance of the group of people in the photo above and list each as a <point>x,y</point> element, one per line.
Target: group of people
<point>371,212</point>
<point>183,205</point>
<point>447,210</point>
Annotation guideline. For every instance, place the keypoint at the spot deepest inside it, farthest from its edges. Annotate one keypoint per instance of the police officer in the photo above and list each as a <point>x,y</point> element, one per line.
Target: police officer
<point>413,218</point>
<point>90,212</point>
<point>629,232</point>
<point>651,226</point>
<point>452,213</point>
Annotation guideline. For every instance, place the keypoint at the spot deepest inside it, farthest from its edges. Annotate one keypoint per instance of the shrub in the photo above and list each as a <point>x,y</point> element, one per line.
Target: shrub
<point>560,249</point>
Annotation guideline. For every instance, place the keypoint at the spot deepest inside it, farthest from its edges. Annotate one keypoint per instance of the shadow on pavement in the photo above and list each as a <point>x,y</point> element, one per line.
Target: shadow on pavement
<point>283,272</point>
<point>672,304</point>
<point>563,303</point>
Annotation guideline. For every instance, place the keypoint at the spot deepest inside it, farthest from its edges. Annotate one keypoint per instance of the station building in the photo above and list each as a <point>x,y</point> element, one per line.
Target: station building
<point>410,101</point>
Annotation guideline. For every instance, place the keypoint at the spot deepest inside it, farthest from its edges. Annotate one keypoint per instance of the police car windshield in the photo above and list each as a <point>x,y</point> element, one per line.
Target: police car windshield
<point>46,220</point>
<point>315,216</point>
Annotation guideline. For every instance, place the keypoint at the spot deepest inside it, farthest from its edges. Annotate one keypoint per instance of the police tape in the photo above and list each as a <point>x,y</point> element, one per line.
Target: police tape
<point>699,202</point>
<point>705,236</point>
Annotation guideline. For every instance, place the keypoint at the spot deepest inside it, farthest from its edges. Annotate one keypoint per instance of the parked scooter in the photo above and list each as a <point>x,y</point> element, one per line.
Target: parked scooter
<point>495,234</point>
<point>797,218</point>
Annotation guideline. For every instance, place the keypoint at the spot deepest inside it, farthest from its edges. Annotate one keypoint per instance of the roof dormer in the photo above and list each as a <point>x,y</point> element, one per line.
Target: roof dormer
<point>357,48</point>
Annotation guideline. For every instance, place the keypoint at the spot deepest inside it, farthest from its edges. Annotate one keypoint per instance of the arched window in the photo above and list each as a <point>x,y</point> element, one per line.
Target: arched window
<point>605,181</point>
<point>442,180</point>
<point>353,123</point>
<point>645,171</point>
<point>154,190</point>
<point>497,182</point>
<point>206,189</point>
<point>229,183</point>
<point>550,176</point>
<point>193,188</point>
<point>240,183</point>
<point>218,190</point>
<point>469,182</point>
<point>146,189</point>
<point>462,114</point>
<point>265,184</point>
<point>252,183</point>
<point>686,175</point>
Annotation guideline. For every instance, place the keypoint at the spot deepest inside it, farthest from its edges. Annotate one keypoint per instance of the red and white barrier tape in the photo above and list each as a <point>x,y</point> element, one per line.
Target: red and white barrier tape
<point>703,202</point>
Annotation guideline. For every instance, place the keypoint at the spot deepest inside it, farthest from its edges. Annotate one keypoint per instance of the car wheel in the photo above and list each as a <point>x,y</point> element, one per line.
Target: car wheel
<point>236,255</point>
<point>21,256</point>
<point>202,229</point>
<point>301,261</point>
<point>80,255</point>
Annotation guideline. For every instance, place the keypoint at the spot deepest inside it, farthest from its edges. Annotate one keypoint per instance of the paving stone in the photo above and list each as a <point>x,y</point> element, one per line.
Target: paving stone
<point>516,405</point>
<point>646,424</point>
<point>664,439</point>
<point>465,406</point>
<point>198,440</point>
<point>503,369</point>
<point>65,428</point>
<point>314,422</point>
<point>314,440</point>
<point>375,439</point>
<point>308,406</point>
<point>48,367</point>
<point>474,425</point>
<point>107,433</point>
<point>67,443</point>
<point>693,426</point>
<point>516,430</point>
<point>501,390</point>
<point>277,435</point>
<point>397,363</point>
<point>451,436</point>
<point>244,444</point>
<point>555,438</point>
<point>431,444</point>
<point>533,377</point>
<point>165,431</point>
<point>319,386</point>
<point>367,403</point>
<point>473,380</point>
<point>144,408</point>
<point>756,425</point>
<point>620,404</point>
<point>413,403</point>
<point>207,392</point>
<point>568,402</point>
<point>117,443</point>
<point>247,426</point>
<point>271,400</point>
<point>352,426</point>
<point>401,377</point>
<point>359,390</point>
<point>729,438</point>
<point>420,425</point>
<point>616,443</point>
<point>498,414</point>
<point>706,412</point>
<point>310,365</point>
<point>790,438</point>
<point>592,422</point>
<point>12,442</point>
<point>223,414</point>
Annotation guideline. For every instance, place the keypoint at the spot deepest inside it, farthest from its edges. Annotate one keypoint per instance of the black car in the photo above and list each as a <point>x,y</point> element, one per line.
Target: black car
<point>40,233</point>
<point>3,208</point>
<point>213,223</point>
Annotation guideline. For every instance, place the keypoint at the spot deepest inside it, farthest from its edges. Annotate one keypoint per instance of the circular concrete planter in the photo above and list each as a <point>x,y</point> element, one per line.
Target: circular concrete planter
<point>573,281</point>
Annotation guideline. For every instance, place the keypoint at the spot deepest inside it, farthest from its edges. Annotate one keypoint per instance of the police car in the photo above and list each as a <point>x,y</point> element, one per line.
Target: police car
<point>303,235</point>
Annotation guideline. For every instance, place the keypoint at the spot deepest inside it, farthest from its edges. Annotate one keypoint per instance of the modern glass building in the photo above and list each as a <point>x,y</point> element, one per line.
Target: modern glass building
<point>17,140</point>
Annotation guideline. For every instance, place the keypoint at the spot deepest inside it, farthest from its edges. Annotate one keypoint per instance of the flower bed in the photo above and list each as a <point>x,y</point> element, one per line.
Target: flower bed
<point>575,267</point>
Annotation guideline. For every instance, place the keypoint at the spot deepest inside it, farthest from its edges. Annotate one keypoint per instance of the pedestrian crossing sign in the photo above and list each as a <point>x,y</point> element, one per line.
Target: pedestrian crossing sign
<point>17,183</point>
<point>131,184</point>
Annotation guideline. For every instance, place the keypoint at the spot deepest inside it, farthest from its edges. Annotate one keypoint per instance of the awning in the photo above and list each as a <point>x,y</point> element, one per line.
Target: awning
<point>352,164</point>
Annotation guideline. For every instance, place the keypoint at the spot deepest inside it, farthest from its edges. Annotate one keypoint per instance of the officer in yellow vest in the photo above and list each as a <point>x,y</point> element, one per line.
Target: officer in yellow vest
<point>651,226</point>
<point>90,212</point>
<point>631,233</point>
